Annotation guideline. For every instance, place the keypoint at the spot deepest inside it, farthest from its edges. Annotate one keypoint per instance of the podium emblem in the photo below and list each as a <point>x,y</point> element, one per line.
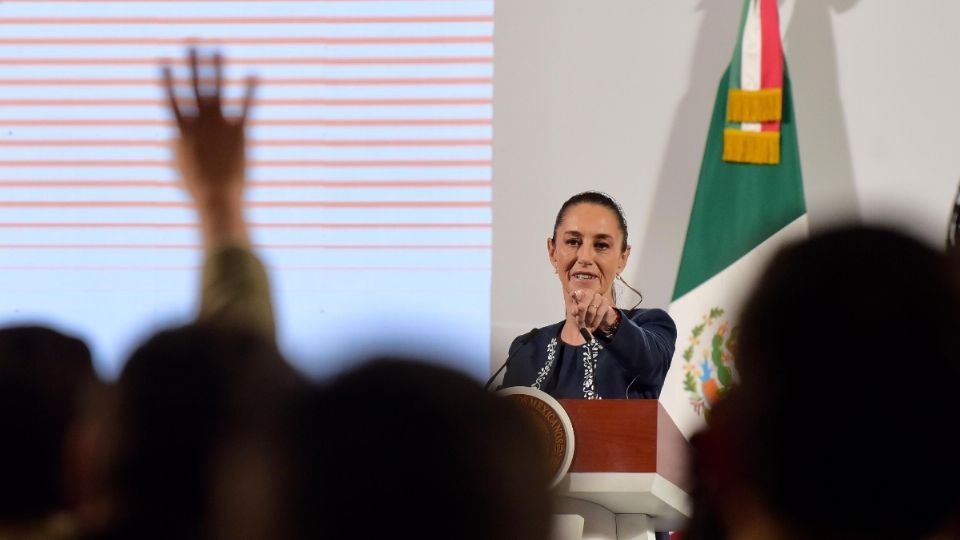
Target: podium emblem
<point>553,424</point>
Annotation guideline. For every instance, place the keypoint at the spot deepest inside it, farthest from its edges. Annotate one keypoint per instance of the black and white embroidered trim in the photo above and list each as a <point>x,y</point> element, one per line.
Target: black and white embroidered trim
<point>545,370</point>
<point>591,351</point>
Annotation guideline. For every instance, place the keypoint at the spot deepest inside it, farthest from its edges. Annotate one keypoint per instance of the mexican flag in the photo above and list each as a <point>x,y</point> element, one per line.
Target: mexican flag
<point>749,201</point>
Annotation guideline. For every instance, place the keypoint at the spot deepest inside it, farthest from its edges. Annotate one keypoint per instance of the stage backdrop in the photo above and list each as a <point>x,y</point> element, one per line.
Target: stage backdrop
<point>370,171</point>
<point>617,95</point>
<point>614,95</point>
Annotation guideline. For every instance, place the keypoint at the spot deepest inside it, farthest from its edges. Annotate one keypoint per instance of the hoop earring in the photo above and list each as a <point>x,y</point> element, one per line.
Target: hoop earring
<point>635,291</point>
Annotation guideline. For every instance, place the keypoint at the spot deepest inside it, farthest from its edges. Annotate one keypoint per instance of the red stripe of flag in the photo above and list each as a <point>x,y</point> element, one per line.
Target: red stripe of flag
<point>771,61</point>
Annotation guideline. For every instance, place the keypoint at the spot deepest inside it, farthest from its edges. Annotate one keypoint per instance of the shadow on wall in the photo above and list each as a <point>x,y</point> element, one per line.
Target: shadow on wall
<point>824,149</point>
<point>673,199</point>
<point>821,129</point>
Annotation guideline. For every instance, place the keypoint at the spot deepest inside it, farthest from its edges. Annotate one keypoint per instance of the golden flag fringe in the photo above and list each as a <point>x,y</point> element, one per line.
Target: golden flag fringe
<point>759,147</point>
<point>754,106</point>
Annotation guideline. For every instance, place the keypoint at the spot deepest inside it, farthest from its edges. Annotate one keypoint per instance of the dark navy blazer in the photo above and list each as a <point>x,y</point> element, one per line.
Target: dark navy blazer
<point>633,364</point>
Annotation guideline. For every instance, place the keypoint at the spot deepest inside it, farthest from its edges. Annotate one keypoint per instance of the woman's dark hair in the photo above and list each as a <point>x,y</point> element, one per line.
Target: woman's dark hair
<point>600,199</point>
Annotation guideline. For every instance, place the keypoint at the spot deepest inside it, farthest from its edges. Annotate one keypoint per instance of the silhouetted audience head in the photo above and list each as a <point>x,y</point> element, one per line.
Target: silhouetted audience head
<point>403,448</point>
<point>179,396</point>
<point>43,376</point>
<point>848,360</point>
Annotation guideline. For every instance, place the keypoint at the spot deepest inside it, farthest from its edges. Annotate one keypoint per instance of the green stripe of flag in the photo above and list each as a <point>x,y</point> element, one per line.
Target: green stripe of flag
<point>737,206</point>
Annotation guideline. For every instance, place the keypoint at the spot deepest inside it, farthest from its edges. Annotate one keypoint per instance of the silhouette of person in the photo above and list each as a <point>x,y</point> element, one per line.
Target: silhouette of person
<point>847,359</point>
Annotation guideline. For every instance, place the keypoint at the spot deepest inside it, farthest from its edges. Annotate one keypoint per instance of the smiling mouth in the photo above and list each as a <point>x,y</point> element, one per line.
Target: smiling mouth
<point>584,276</point>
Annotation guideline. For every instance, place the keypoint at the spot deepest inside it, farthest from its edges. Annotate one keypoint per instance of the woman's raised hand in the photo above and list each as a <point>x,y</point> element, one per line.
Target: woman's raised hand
<point>591,310</point>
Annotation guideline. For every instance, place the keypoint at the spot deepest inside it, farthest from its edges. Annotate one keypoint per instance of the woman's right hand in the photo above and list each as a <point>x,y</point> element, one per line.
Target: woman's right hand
<point>590,310</point>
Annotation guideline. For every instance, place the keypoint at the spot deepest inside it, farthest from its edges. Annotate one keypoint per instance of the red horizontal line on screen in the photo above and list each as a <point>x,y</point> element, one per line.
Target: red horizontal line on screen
<point>290,81</point>
<point>250,40</point>
<point>346,122</point>
<point>119,225</point>
<point>194,268</point>
<point>283,61</point>
<point>257,246</point>
<point>127,102</point>
<point>255,163</point>
<point>253,204</point>
<point>383,268</point>
<point>421,19</point>
<point>163,143</point>
<point>246,1</point>
<point>342,184</point>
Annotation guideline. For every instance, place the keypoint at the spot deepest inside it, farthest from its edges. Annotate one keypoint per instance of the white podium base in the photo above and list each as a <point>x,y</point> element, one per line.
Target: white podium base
<point>631,493</point>
<point>578,519</point>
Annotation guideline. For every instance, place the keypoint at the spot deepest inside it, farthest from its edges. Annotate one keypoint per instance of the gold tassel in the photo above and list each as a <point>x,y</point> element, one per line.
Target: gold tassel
<point>754,106</point>
<point>760,147</point>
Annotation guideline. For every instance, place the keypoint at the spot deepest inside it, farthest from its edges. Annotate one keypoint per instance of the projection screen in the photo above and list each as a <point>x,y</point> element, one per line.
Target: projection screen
<point>370,177</point>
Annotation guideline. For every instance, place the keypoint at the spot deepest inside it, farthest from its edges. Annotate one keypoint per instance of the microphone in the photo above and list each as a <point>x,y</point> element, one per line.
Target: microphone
<point>524,340</point>
<point>587,336</point>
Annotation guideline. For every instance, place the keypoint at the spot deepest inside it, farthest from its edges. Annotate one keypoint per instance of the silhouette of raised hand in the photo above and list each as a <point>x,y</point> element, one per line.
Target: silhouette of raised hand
<point>210,152</point>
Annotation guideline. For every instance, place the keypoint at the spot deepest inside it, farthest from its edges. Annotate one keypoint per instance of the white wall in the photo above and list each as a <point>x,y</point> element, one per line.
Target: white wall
<point>616,95</point>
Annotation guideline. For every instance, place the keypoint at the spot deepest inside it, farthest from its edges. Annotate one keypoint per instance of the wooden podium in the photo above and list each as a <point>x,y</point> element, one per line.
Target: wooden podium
<point>629,474</point>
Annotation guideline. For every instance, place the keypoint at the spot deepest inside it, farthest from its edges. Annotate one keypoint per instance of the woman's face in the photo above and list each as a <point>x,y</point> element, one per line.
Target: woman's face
<point>587,253</point>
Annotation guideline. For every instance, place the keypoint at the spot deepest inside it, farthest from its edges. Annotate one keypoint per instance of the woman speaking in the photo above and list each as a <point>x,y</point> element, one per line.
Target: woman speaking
<point>598,350</point>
